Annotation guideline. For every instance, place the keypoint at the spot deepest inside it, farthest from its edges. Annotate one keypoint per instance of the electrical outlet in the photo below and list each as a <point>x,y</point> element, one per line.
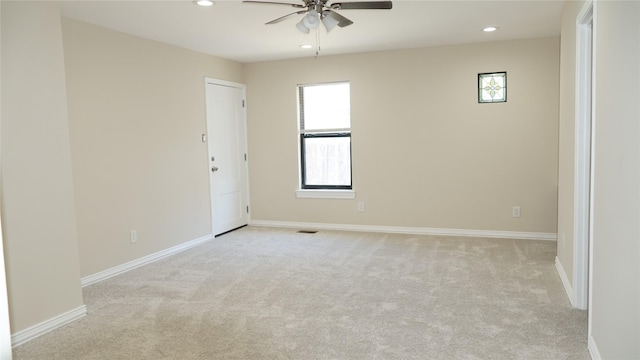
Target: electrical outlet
<point>133,235</point>
<point>515,212</point>
<point>361,206</point>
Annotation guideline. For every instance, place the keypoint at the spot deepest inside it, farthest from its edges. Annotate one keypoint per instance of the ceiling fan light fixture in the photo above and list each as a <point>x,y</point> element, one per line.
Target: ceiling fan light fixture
<point>311,20</point>
<point>303,29</point>
<point>328,21</point>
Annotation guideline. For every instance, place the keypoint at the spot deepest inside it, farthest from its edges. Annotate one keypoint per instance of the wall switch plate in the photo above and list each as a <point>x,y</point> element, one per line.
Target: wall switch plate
<point>133,235</point>
<point>515,212</point>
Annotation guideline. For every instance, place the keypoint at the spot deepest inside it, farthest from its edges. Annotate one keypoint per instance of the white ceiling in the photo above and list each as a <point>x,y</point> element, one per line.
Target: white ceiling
<point>237,31</point>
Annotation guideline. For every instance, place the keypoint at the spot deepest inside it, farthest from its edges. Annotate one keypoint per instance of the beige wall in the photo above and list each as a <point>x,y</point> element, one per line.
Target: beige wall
<point>425,153</point>
<point>38,213</point>
<point>136,115</point>
<point>615,303</point>
<point>566,147</point>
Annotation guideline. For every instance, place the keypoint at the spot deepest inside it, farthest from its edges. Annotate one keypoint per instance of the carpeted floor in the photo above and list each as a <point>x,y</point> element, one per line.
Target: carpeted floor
<point>260,293</point>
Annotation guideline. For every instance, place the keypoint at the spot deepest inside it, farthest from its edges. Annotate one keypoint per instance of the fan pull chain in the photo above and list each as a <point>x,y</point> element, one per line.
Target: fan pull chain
<point>317,42</point>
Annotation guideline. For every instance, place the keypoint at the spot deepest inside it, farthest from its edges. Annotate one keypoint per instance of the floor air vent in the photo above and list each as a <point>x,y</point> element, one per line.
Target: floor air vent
<point>307,231</point>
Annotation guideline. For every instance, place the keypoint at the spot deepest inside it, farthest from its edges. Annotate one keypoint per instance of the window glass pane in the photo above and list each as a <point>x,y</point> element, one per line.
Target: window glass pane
<point>493,87</point>
<point>328,161</point>
<point>326,106</point>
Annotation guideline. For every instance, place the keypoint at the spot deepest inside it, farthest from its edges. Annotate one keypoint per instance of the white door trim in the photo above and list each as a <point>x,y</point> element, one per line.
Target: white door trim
<point>594,45</point>
<point>208,80</point>
<point>583,155</point>
<point>5,329</point>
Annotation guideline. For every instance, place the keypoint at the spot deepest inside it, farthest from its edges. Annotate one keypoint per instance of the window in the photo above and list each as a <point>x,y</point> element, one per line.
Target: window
<point>492,87</point>
<point>325,136</point>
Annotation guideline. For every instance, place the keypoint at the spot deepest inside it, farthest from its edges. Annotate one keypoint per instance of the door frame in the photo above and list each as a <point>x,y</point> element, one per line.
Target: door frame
<point>213,81</point>
<point>584,154</point>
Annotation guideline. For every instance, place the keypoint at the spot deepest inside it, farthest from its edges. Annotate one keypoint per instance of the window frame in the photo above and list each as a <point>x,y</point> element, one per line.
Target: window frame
<point>307,190</point>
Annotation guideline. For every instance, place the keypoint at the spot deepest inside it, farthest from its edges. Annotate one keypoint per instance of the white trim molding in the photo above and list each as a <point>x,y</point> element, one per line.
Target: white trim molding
<point>210,80</point>
<point>325,194</point>
<point>565,282</point>
<point>44,327</point>
<point>409,230</point>
<point>583,169</point>
<point>593,349</point>
<point>117,270</point>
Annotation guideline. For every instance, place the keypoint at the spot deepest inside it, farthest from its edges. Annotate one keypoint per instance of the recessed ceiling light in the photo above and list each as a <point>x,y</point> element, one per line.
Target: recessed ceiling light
<point>306,46</point>
<point>204,2</point>
<point>490,29</point>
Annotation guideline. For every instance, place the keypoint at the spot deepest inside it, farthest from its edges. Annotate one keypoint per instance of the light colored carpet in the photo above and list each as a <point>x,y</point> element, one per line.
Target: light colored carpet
<point>260,293</point>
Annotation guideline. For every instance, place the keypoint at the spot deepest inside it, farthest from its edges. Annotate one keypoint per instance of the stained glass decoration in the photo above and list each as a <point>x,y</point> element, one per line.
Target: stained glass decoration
<point>492,87</point>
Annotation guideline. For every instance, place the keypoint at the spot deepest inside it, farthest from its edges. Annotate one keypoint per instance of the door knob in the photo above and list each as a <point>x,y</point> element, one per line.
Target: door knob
<point>214,169</point>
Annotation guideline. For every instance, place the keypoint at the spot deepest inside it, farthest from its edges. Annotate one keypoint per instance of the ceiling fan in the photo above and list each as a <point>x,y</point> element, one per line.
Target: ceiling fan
<point>321,11</point>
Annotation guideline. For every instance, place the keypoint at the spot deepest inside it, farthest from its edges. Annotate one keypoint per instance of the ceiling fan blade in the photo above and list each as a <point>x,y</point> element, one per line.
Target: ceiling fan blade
<point>274,3</point>
<point>286,16</point>
<point>342,21</point>
<point>383,5</point>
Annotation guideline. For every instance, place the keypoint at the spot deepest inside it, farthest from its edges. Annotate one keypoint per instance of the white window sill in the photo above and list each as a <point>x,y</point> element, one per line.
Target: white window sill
<point>325,194</point>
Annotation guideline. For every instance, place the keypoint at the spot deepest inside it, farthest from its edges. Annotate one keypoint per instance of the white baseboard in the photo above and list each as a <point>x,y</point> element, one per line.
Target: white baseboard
<point>593,349</point>
<point>409,230</point>
<point>44,327</point>
<point>117,270</point>
<point>565,282</point>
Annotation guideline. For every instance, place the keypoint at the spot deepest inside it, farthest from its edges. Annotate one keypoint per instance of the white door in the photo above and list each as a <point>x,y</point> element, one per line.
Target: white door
<point>228,174</point>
